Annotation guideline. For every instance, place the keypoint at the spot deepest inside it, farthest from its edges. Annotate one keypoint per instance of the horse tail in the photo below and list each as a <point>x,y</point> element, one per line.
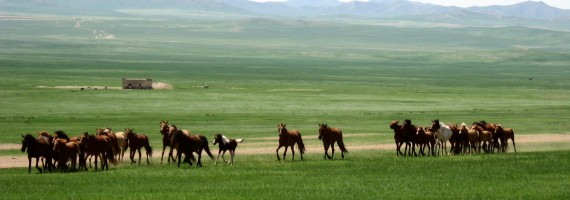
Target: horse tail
<point>148,148</point>
<point>115,144</point>
<point>301,145</point>
<point>111,156</point>
<point>205,146</point>
<point>341,144</point>
<point>240,140</point>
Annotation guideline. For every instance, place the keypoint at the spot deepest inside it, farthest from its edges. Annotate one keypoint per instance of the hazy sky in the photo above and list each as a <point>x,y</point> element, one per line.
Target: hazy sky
<point>565,4</point>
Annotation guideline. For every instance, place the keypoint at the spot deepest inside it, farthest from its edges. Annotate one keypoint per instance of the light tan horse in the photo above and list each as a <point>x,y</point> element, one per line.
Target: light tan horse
<point>121,141</point>
<point>329,136</point>
<point>288,138</point>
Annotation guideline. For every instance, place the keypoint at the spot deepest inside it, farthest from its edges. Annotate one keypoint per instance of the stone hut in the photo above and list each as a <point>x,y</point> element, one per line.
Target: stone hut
<point>133,83</point>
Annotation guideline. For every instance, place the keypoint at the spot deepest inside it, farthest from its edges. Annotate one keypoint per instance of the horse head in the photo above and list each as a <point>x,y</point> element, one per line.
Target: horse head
<point>281,128</point>
<point>322,129</point>
<point>435,125</point>
<point>217,139</point>
<point>394,124</point>
<point>164,128</point>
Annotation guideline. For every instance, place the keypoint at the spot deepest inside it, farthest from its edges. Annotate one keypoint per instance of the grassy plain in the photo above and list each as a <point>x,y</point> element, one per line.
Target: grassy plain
<point>260,72</point>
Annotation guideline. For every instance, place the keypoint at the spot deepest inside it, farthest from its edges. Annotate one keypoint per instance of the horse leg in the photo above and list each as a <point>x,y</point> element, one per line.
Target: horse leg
<point>398,148</point>
<point>199,164</point>
<point>37,167</point>
<point>162,156</point>
<point>285,152</point>
<point>293,152</point>
<point>170,154</point>
<point>414,148</point>
<point>139,151</point>
<point>332,151</point>
<point>218,157</point>
<point>96,157</point>
<point>276,152</point>
<point>232,154</point>
<point>29,164</point>
<point>514,145</point>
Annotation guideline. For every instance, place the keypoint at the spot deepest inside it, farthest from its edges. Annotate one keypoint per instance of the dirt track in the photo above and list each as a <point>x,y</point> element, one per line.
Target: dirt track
<point>522,141</point>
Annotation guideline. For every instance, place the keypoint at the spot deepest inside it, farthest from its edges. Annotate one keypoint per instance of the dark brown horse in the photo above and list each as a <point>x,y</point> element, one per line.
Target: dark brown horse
<point>37,148</point>
<point>398,136</point>
<point>506,134</point>
<point>410,138</point>
<point>329,136</point>
<point>136,143</point>
<point>99,146</point>
<point>226,144</point>
<point>188,144</point>
<point>288,138</point>
<point>66,151</point>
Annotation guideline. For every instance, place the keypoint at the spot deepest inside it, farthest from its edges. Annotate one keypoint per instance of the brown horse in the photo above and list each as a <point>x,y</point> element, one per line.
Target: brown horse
<point>329,136</point>
<point>410,138</point>
<point>497,143</point>
<point>226,144</point>
<point>472,141</point>
<point>188,144</point>
<point>136,143</point>
<point>114,143</point>
<point>288,138</point>
<point>485,138</point>
<point>166,140</point>
<point>66,151</point>
<point>99,146</point>
<point>398,136</point>
<point>36,148</point>
<point>426,138</point>
<point>506,133</point>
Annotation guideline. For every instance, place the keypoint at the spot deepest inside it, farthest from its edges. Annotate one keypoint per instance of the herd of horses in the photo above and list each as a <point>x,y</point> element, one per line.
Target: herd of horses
<point>464,139</point>
<point>59,151</point>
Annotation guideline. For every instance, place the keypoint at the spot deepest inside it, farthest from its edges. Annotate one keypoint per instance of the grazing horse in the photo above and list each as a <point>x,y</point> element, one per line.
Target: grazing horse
<point>398,136</point>
<point>329,136</point>
<point>136,143</point>
<point>485,137</point>
<point>410,137</point>
<point>188,144</point>
<point>426,138</point>
<point>226,144</point>
<point>288,138</point>
<point>36,148</point>
<point>443,133</point>
<point>506,133</point>
<point>66,151</point>
<point>98,146</point>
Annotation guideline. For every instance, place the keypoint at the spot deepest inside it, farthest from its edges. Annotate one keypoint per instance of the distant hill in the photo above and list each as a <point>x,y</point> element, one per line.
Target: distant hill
<point>527,13</point>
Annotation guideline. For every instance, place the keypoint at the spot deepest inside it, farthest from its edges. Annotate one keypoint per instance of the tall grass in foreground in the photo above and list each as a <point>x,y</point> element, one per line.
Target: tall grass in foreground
<point>365,175</point>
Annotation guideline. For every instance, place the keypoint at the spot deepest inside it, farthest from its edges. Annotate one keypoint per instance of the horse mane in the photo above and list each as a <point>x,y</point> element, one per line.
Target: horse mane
<point>61,134</point>
<point>29,138</point>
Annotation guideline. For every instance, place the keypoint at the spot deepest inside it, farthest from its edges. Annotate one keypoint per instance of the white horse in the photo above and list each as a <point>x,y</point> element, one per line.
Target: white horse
<point>443,133</point>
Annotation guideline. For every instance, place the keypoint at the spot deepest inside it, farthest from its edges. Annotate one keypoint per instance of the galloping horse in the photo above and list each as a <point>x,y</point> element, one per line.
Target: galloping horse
<point>485,138</point>
<point>288,138</point>
<point>121,142</point>
<point>443,133</point>
<point>36,148</point>
<point>66,151</point>
<point>329,136</point>
<point>426,138</point>
<point>166,139</point>
<point>398,136</point>
<point>98,146</point>
<point>188,144</point>
<point>226,144</point>
<point>410,138</point>
<point>136,142</point>
<point>112,138</point>
<point>506,133</point>
<point>472,138</point>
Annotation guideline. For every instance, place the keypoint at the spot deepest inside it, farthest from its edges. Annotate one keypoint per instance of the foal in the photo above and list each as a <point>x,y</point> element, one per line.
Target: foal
<point>225,145</point>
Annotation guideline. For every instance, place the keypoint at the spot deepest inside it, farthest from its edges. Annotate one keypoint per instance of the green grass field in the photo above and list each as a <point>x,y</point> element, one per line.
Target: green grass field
<point>261,72</point>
